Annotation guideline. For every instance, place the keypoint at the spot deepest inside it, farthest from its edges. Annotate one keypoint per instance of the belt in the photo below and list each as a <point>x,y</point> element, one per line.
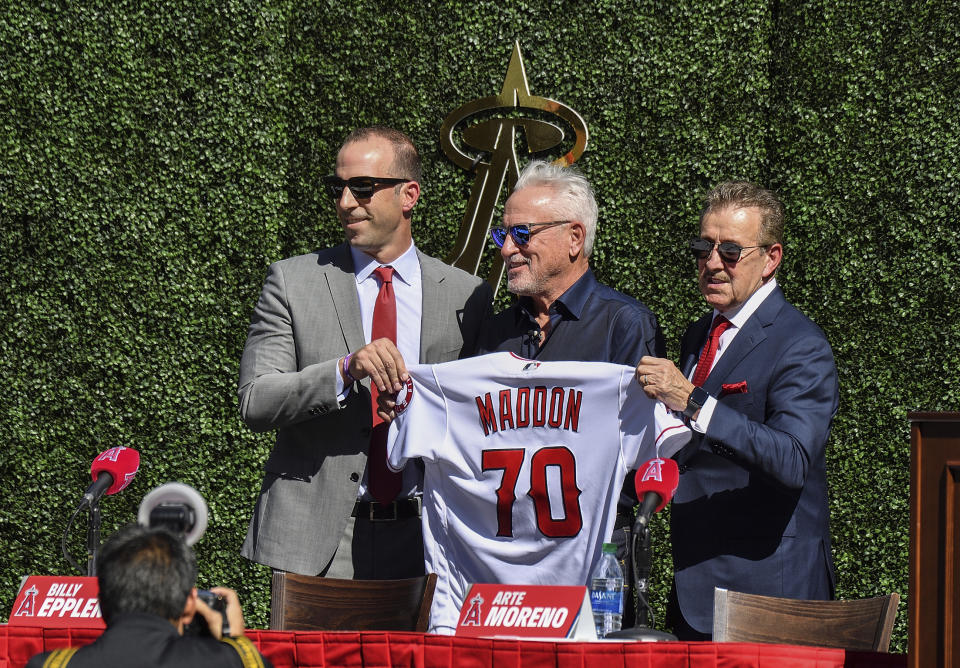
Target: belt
<point>401,509</point>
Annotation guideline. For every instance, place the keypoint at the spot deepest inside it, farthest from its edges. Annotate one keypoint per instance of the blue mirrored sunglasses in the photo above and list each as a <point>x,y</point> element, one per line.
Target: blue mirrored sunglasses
<point>520,233</point>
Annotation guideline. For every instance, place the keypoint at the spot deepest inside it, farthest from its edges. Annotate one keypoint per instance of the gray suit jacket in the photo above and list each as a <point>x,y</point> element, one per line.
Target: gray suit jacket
<point>307,317</point>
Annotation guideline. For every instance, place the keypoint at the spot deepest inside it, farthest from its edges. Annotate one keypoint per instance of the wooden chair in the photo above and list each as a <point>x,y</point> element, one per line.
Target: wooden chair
<point>864,624</point>
<point>306,603</point>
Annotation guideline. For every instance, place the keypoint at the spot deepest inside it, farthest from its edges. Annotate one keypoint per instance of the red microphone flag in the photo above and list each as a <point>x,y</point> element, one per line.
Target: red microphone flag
<point>120,462</point>
<point>660,476</point>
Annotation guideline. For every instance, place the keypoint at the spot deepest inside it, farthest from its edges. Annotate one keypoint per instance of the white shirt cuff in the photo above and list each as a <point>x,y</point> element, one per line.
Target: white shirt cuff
<point>703,417</point>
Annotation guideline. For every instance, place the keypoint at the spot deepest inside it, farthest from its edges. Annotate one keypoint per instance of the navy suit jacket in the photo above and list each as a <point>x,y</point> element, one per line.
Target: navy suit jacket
<point>751,513</point>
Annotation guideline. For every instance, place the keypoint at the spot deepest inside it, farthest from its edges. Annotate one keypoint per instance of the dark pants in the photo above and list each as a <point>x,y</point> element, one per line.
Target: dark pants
<point>678,624</point>
<point>379,550</point>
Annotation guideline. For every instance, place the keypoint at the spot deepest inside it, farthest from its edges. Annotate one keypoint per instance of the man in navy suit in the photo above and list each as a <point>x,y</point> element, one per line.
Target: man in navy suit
<point>759,388</point>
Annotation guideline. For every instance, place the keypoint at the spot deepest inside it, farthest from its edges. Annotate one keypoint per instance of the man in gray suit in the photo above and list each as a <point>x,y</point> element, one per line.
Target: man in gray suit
<point>309,362</point>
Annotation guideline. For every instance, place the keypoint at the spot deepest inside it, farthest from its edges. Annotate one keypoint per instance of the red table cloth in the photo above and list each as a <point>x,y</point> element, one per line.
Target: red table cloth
<point>375,649</point>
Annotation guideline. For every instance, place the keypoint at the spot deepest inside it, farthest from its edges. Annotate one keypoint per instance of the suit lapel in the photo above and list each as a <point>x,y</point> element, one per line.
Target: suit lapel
<point>749,337</point>
<point>436,302</point>
<point>342,285</point>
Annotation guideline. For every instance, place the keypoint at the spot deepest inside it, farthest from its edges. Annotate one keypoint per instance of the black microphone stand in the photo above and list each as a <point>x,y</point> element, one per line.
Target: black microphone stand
<point>641,561</point>
<point>93,538</point>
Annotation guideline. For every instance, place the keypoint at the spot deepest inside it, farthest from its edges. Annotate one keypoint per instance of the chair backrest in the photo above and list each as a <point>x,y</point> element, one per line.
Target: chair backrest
<point>863,624</point>
<point>307,603</point>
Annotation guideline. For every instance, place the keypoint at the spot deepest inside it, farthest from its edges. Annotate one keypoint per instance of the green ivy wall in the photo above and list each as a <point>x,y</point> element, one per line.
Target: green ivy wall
<point>157,156</point>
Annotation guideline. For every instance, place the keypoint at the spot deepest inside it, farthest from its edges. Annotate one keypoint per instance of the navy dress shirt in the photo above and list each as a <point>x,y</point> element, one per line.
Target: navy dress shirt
<point>590,322</point>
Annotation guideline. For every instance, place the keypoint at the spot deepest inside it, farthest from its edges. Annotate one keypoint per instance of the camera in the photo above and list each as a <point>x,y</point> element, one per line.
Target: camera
<point>199,627</point>
<point>182,510</point>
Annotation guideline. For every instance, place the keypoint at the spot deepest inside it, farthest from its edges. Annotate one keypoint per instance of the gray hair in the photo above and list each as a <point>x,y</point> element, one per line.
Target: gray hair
<point>742,195</point>
<point>574,198</point>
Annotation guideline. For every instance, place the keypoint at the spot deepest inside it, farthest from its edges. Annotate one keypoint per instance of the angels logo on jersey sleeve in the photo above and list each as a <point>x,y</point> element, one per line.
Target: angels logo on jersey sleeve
<point>404,396</point>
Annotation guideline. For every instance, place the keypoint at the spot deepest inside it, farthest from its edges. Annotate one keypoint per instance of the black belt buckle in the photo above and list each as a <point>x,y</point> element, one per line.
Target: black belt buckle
<point>379,512</point>
<point>390,512</point>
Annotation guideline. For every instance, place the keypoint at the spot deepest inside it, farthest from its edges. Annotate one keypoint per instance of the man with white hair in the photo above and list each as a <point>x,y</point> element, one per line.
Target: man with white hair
<point>562,313</point>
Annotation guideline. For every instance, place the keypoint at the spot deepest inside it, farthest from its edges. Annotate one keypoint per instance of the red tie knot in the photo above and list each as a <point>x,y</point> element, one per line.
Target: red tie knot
<point>720,325</point>
<point>385,274</point>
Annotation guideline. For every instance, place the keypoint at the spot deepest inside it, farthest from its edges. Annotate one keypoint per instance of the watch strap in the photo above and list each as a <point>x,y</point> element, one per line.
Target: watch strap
<point>698,397</point>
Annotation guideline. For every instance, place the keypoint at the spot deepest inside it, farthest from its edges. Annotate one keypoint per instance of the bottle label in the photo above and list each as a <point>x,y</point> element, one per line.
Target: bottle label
<point>606,601</point>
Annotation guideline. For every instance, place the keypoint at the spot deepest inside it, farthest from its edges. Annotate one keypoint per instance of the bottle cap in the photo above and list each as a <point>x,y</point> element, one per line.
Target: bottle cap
<point>609,548</point>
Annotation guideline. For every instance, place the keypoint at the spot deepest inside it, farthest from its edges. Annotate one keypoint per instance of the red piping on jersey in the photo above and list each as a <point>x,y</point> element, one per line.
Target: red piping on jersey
<point>660,435</point>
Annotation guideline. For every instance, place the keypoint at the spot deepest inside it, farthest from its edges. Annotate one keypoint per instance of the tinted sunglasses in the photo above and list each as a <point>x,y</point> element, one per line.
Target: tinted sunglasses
<point>729,251</point>
<point>362,187</point>
<point>520,233</point>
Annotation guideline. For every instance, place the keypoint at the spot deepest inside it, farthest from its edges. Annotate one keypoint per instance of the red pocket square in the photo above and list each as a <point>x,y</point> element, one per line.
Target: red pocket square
<point>734,388</point>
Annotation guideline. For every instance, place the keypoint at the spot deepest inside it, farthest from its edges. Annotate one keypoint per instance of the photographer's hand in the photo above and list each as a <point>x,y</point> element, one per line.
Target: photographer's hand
<point>215,619</point>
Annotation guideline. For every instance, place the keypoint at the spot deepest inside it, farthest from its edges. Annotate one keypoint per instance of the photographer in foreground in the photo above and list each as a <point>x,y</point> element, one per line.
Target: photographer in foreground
<point>147,597</point>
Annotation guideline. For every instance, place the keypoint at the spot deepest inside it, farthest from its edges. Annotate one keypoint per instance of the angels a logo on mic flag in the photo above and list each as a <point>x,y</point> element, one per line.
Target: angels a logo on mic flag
<point>110,455</point>
<point>653,471</point>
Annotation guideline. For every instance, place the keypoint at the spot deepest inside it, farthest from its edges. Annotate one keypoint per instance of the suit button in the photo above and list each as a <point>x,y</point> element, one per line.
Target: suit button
<point>722,450</point>
<point>354,476</point>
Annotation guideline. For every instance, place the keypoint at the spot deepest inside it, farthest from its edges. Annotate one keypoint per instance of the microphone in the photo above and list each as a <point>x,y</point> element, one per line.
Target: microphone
<point>111,470</point>
<point>656,482</point>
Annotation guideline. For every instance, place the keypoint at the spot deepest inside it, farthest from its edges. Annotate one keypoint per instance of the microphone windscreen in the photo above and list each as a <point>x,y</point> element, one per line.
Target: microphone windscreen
<point>660,476</point>
<point>120,462</point>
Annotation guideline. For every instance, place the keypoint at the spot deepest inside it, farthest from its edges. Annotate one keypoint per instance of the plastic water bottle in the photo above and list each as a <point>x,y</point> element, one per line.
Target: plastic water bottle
<point>606,592</point>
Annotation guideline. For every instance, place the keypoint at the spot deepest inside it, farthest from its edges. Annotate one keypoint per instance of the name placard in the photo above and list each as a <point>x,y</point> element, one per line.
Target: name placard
<point>527,611</point>
<point>57,601</point>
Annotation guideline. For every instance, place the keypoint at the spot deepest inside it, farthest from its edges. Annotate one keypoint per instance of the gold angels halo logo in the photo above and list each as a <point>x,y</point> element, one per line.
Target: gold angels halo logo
<point>496,163</point>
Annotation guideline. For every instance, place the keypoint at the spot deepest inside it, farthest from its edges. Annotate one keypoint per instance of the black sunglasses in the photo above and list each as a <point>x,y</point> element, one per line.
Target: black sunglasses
<point>729,251</point>
<point>520,233</point>
<point>362,187</point>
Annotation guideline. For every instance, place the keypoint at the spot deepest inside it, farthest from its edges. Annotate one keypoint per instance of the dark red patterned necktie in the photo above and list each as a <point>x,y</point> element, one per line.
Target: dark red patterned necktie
<point>720,325</point>
<point>384,483</point>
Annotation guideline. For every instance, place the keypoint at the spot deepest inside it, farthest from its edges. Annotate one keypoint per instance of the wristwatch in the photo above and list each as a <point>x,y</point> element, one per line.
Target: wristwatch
<point>695,401</point>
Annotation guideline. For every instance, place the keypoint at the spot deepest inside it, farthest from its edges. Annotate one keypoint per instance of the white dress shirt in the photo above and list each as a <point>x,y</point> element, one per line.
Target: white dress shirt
<point>407,289</point>
<point>737,317</point>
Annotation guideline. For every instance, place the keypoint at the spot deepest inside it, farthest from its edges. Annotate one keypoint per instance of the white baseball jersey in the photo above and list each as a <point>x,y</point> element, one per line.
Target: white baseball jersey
<point>523,462</point>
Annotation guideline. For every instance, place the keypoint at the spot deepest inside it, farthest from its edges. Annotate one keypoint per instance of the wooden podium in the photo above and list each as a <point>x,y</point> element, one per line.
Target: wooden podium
<point>934,622</point>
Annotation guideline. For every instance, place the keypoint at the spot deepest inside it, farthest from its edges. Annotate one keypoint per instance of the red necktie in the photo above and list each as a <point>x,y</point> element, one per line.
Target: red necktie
<point>384,483</point>
<point>720,325</point>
